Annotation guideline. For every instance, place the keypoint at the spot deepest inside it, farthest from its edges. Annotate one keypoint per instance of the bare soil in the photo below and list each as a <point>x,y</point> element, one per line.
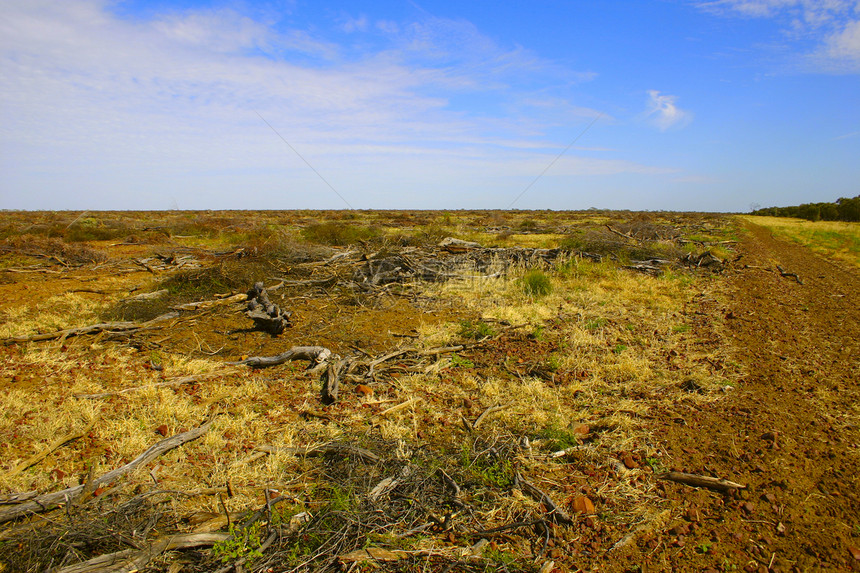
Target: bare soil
<point>790,430</point>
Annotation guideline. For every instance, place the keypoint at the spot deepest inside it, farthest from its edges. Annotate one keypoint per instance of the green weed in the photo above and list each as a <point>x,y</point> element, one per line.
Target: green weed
<point>596,324</point>
<point>536,284</point>
<point>476,330</point>
<point>242,543</point>
<point>458,361</point>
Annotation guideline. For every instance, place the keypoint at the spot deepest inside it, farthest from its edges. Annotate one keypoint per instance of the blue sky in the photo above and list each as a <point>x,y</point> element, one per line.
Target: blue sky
<point>711,105</point>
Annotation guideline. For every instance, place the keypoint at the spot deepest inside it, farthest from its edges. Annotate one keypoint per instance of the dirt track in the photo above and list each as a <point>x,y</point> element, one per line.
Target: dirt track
<point>790,430</point>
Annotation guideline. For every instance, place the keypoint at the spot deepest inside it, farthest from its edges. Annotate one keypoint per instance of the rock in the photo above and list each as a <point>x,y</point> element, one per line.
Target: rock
<point>162,429</point>
<point>582,430</point>
<point>770,436</point>
<point>582,504</point>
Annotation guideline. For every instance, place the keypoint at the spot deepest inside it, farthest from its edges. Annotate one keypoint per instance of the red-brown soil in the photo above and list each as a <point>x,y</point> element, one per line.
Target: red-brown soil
<point>790,430</point>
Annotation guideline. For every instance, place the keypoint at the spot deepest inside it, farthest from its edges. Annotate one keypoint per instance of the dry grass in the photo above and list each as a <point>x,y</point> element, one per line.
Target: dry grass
<point>604,349</point>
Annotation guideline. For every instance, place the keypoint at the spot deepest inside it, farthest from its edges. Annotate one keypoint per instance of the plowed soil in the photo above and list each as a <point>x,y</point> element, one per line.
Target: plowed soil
<point>790,431</point>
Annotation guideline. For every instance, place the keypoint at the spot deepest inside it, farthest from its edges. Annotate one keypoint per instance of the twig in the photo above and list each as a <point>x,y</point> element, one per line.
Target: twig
<point>555,513</point>
<point>33,460</point>
<point>487,412</point>
<point>787,274</point>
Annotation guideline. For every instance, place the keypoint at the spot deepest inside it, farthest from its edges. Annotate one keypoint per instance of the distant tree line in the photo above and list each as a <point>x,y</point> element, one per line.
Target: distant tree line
<point>842,210</point>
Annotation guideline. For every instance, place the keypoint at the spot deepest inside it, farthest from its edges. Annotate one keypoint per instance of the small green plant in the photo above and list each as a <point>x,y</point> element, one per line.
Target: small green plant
<point>558,438</point>
<point>536,283</point>
<point>242,543</point>
<point>681,328</point>
<point>654,463</point>
<point>458,361</point>
<point>619,348</point>
<point>476,330</point>
<point>596,324</point>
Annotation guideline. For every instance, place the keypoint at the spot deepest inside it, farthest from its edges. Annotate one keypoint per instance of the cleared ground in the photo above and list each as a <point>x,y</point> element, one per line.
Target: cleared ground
<point>500,407</point>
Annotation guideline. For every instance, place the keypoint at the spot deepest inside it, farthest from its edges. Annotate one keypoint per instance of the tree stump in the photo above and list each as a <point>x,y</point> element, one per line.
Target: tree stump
<point>265,314</point>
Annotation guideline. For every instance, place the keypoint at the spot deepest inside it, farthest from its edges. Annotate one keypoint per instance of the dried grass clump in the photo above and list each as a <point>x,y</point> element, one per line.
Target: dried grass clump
<point>340,234</point>
<point>53,248</point>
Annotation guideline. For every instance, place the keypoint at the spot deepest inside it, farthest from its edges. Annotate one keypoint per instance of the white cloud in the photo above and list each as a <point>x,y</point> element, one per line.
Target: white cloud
<point>664,113</point>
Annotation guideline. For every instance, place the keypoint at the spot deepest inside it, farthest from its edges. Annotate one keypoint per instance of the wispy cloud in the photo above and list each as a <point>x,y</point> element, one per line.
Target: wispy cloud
<point>93,100</point>
<point>832,25</point>
<point>664,113</point>
<point>848,135</point>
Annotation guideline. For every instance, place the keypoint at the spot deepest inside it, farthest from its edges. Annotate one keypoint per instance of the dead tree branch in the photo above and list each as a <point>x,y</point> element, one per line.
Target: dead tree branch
<point>317,354</point>
<point>52,500</point>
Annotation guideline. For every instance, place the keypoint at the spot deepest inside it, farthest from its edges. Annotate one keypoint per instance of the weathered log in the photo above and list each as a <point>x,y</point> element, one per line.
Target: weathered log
<point>453,245</point>
<point>52,500</point>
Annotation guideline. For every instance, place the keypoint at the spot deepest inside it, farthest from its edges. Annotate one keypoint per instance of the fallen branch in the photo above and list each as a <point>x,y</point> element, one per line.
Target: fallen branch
<point>108,327</point>
<point>718,484</point>
<point>35,459</point>
<point>135,559</point>
<point>318,354</point>
<point>52,500</point>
